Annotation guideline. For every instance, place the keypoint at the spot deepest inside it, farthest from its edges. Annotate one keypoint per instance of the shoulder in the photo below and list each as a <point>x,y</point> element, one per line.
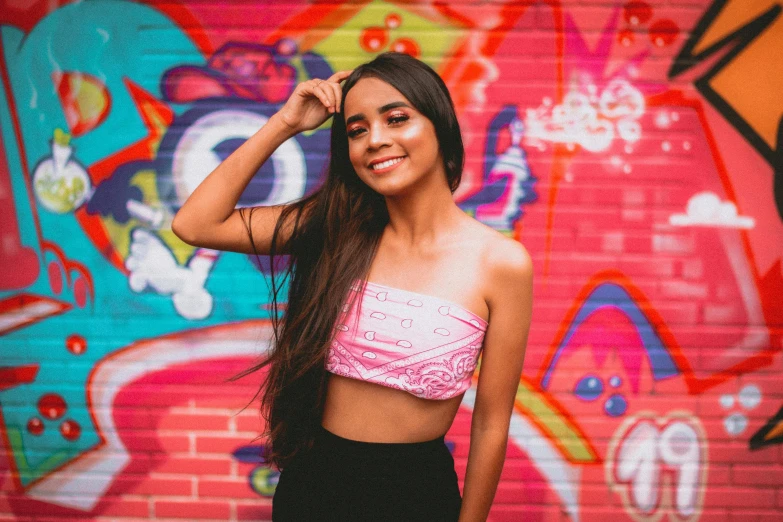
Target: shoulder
<point>508,268</point>
<point>505,256</point>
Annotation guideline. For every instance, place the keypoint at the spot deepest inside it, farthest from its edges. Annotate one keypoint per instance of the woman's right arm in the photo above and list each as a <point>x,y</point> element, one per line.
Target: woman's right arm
<point>209,219</point>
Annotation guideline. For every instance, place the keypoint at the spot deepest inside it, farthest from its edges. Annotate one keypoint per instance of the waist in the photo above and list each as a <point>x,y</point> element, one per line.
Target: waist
<point>326,437</point>
<point>366,411</point>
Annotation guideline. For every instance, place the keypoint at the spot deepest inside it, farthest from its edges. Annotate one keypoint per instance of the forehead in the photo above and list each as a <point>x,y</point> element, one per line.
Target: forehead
<point>370,93</point>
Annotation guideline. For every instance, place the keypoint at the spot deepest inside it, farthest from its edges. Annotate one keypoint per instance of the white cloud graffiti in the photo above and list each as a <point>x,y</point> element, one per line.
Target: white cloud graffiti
<point>706,209</point>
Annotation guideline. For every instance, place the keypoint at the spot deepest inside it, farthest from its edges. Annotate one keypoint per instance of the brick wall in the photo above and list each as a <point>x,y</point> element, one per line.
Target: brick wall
<point>630,147</point>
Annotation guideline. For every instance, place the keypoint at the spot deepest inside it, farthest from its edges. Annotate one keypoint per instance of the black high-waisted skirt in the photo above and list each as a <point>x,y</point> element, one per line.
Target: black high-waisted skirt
<point>343,480</point>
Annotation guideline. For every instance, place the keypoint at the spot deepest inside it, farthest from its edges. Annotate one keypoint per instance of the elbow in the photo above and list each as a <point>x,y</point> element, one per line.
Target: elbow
<point>183,233</point>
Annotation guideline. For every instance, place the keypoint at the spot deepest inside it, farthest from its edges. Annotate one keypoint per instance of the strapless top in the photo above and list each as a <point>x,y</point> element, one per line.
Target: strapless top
<point>405,340</point>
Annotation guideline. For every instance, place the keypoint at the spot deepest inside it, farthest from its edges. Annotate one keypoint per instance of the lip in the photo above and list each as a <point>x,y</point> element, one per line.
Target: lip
<point>387,158</point>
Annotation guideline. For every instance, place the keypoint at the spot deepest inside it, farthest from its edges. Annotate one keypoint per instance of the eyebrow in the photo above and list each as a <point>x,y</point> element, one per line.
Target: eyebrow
<point>381,110</point>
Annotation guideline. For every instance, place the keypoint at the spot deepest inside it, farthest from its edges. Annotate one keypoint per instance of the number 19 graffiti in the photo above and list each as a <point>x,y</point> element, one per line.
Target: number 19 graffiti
<point>652,457</point>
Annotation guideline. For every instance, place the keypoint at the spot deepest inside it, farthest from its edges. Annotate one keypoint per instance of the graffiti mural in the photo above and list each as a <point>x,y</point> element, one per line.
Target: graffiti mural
<point>747,34</point>
<point>633,148</point>
<point>646,453</point>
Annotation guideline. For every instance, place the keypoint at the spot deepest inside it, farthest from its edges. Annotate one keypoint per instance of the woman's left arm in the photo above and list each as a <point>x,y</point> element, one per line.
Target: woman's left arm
<point>510,300</point>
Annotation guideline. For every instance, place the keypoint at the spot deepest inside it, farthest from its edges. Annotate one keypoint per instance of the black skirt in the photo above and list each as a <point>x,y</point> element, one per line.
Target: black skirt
<point>343,480</point>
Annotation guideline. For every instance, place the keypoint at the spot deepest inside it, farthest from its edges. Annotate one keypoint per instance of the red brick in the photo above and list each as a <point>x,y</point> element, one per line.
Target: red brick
<point>260,510</point>
<point>646,266</point>
<point>193,509</point>
<point>742,475</point>
<point>579,263</point>
<point>677,312</point>
<point>739,497</point>
<point>719,474</point>
<point>609,512</point>
<point>174,443</point>
<point>710,514</point>
<point>225,488</point>
<point>249,423</point>
<point>769,381</point>
<point>195,466</point>
<point>514,469</point>
<point>124,507</point>
<point>672,244</point>
<point>194,422</point>
<point>154,442</point>
<point>513,492</point>
<point>153,485</point>
<point>536,239</point>
<point>736,451</point>
<point>678,289</point>
<point>132,417</point>
<point>754,516</point>
<point>241,397</point>
<point>221,444</point>
<point>515,513</point>
<point>159,395</point>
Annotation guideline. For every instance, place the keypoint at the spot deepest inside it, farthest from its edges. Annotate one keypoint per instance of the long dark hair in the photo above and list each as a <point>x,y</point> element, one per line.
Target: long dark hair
<point>335,234</point>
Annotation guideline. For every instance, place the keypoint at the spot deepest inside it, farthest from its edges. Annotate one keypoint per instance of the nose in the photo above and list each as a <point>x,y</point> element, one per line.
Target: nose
<point>378,136</point>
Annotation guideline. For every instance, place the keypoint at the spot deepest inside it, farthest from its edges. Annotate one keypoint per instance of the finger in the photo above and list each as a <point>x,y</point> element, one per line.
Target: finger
<point>336,93</point>
<point>318,93</point>
<point>324,88</point>
<point>328,87</point>
<point>320,86</point>
<point>340,75</point>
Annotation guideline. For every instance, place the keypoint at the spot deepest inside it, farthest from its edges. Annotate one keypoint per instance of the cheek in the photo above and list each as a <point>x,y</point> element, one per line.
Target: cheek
<point>416,133</point>
<point>421,139</point>
<point>355,155</point>
<point>417,138</point>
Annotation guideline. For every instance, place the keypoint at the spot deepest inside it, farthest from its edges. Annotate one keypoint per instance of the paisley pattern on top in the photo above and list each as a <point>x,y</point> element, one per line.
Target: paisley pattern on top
<point>409,341</point>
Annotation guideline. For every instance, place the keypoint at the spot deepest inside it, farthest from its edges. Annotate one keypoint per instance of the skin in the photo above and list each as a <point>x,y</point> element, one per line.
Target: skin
<point>400,131</point>
<point>419,234</point>
<point>430,246</point>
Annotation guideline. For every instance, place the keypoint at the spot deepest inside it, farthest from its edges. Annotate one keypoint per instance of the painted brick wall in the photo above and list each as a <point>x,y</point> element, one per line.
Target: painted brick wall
<point>631,147</point>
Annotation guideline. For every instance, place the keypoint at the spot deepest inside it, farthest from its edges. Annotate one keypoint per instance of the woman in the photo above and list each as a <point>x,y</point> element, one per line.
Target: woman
<point>393,293</point>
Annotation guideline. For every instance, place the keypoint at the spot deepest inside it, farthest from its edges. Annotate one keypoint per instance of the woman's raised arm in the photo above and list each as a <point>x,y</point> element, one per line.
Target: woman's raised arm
<point>209,219</point>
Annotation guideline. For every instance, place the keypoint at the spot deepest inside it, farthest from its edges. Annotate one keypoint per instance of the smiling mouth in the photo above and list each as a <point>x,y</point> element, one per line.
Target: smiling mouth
<point>386,164</point>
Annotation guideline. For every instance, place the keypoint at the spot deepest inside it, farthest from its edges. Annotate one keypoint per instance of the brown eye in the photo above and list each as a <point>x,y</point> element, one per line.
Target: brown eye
<point>354,132</point>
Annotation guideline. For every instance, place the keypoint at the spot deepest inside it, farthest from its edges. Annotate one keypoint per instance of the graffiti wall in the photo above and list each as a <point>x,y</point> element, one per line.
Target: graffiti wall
<point>635,149</point>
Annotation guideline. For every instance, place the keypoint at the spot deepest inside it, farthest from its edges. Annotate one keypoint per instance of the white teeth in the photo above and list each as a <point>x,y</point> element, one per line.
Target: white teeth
<point>385,164</point>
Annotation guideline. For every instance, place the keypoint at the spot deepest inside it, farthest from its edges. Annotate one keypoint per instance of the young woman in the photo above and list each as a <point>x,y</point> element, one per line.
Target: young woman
<point>393,293</point>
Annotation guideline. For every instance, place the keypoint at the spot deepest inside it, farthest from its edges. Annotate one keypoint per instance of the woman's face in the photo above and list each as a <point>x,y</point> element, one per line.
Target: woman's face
<point>392,146</point>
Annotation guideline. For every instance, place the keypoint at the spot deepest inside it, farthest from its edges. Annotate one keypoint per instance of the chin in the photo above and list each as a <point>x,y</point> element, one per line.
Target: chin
<point>386,188</point>
<point>396,189</point>
<point>388,191</point>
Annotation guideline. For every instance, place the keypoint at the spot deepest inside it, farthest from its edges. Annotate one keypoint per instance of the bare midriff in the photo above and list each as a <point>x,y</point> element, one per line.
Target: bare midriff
<point>370,412</point>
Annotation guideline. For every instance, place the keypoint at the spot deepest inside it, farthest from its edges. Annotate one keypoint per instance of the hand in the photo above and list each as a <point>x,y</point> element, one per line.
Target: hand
<point>312,102</point>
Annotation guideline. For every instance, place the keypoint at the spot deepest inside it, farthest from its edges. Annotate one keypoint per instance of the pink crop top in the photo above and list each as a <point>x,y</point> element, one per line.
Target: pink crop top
<point>409,341</point>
